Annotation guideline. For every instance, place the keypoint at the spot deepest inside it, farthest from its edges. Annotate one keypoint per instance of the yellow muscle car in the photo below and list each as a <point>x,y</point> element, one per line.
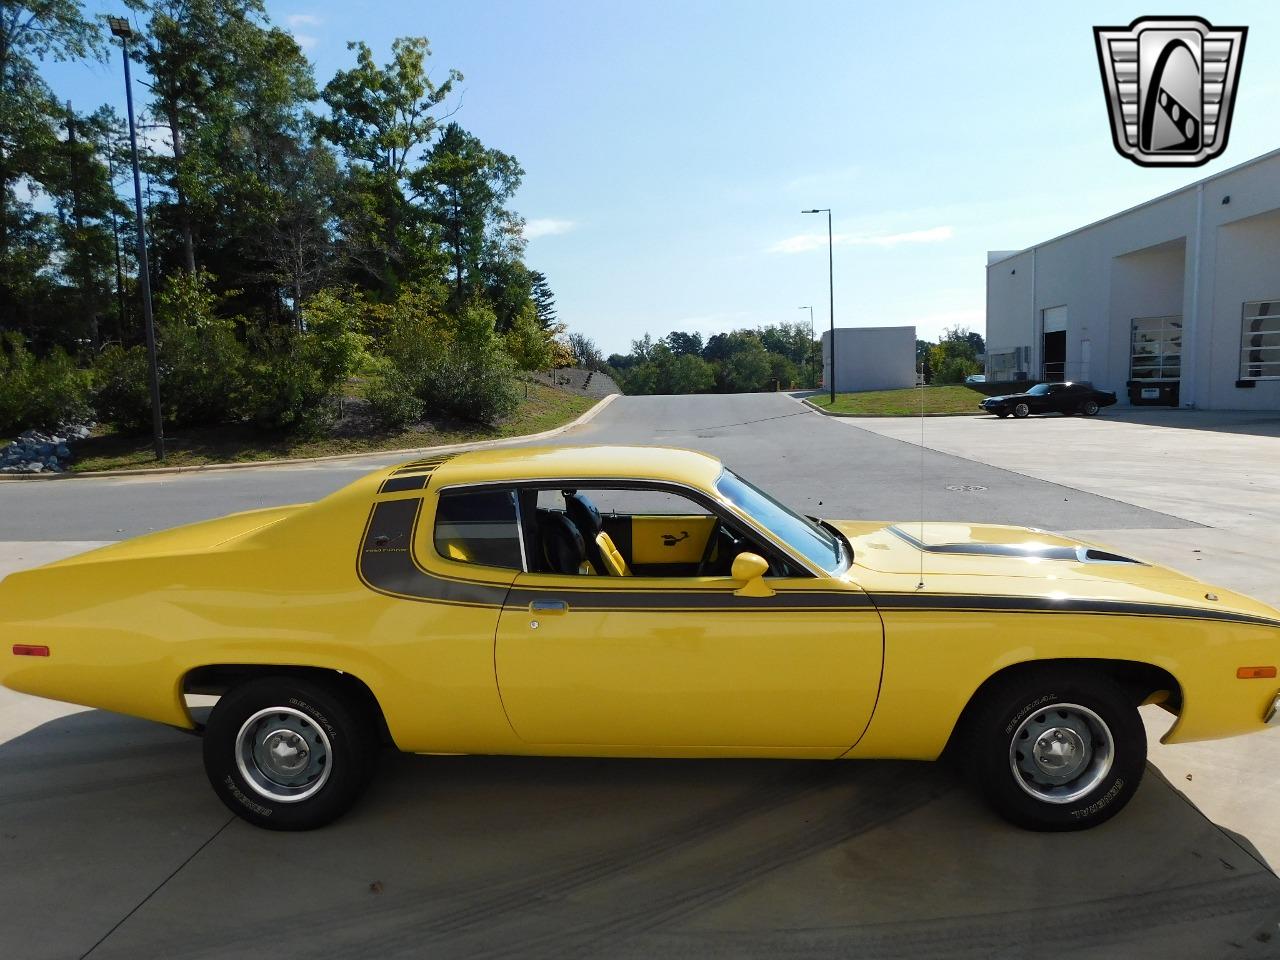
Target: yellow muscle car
<point>635,602</point>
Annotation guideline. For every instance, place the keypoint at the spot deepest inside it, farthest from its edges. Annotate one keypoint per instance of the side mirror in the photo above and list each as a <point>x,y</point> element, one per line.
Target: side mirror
<point>749,570</point>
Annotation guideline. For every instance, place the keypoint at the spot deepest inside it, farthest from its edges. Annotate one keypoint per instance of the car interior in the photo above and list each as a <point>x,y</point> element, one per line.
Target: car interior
<point>569,534</point>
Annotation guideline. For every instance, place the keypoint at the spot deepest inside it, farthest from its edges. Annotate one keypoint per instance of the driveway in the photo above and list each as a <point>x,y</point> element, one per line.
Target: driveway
<point>112,844</point>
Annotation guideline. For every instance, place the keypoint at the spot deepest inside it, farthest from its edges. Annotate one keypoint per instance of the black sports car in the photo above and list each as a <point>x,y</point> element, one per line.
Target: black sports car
<point>1065,398</point>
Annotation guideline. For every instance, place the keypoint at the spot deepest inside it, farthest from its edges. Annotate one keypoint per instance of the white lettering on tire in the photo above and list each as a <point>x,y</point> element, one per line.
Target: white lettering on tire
<point>257,808</point>
<point>1101,802</point>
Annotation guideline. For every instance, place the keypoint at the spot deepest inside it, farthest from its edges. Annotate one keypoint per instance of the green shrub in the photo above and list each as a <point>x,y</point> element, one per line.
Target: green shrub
<point>202,364</point>
<point>40,393</point>
<point>955,369</point>
<point>122,388</point>
<point>293,378</point>
<point>392,400</point>
<point>451,361</point>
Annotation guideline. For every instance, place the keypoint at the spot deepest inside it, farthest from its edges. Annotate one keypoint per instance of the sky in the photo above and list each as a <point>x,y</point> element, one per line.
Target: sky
<point>669,147</point>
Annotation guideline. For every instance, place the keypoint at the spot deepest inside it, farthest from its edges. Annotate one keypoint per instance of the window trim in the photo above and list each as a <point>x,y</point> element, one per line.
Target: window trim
<point>1241,364</point>
<point>720,508</point>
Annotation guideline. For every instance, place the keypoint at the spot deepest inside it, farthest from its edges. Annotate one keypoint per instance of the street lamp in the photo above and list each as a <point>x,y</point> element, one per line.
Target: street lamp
<point>831,293</point>
<point>809,352</point>
<point>120,28</point>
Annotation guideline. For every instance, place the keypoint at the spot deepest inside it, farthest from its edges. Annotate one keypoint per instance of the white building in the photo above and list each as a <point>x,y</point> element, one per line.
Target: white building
<point>1175,301</point>
<point>871,358</point>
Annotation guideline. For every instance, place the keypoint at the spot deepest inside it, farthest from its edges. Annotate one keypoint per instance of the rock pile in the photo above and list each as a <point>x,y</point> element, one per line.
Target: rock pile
<point>38,452</point>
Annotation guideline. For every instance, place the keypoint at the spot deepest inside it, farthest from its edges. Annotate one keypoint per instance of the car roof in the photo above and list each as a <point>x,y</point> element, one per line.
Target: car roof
<point>580,462</point>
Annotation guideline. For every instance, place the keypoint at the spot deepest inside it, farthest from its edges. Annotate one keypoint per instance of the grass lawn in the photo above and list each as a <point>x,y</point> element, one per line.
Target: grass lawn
<point>545,408</point>
<point>938,402</point>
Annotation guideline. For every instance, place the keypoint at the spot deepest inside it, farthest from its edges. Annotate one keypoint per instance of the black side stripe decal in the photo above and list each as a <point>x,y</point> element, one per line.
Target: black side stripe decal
<point>400,484</point>
<point>386,565</point>
<point>919,603</point>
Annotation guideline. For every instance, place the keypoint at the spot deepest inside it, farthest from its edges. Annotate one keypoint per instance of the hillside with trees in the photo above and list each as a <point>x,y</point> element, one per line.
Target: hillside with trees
<point>778,357</point>
<point>309,240</point>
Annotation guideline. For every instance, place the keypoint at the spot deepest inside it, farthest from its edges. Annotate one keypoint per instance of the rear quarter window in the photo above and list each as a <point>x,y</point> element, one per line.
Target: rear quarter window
<point>479,526</point>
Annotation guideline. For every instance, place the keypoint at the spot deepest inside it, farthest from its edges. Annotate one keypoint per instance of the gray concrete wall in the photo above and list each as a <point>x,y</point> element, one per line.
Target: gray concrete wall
<point>1199,253</point>
<point>871,358</point>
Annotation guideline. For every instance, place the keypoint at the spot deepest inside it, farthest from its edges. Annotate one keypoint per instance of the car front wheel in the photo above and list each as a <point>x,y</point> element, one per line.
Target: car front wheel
<point>1021,410</point>
<point>1057,750</point>
<point>1002,414</point>
<point>1089,408</point>
<point>287,753</point>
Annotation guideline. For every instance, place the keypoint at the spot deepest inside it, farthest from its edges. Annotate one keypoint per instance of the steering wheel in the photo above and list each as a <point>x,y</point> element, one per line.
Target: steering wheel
<point>728,546</point>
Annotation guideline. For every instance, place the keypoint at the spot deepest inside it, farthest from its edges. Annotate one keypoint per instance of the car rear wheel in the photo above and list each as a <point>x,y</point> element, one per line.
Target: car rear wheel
<point>287,753</point>
<point>1021,410</point>
<point>1089,408</point>
<point>1057,749</point>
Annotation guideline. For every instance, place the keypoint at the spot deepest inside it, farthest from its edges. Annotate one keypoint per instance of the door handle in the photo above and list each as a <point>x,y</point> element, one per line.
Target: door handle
<point>549,608</point>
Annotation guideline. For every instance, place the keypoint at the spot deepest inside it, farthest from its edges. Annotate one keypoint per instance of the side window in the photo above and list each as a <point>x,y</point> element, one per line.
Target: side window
<point>631,531</point>
<point>479,526</point>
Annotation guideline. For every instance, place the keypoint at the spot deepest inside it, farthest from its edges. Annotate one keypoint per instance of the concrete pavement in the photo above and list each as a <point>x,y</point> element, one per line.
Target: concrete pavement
<point>1216,468</point>
<point>112,844</point>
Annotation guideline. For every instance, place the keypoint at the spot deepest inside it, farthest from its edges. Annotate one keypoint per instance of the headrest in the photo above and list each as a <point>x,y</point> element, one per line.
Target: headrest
<point>584,513</point>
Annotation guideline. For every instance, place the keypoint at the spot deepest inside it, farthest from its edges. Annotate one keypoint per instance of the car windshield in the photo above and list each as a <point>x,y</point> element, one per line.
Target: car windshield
<point>818,546</point>
<point>1039,390</point>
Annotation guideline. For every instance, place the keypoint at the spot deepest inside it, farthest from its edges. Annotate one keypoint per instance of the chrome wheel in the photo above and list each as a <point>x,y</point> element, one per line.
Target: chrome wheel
<point>283,755</point>
<point>1090,408</point>
<point>1061,753</point>
<point>1021,410</point>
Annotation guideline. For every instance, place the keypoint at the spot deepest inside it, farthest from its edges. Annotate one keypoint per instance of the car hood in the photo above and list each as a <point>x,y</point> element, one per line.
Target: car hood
<point>991,559</point>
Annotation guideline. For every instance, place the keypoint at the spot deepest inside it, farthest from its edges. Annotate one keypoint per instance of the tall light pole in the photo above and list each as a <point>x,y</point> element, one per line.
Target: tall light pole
<point>809,352</point>
<point>120,28</point>
<point>831,294</point>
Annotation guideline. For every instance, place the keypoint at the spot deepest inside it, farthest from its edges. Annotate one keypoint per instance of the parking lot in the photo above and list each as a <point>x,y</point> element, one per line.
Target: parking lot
<point>114,846</point>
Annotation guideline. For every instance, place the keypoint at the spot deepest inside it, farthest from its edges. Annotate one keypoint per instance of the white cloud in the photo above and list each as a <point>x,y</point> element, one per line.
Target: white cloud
<point>804,242</point>
<point>297,21</point>
<point>546,227</point>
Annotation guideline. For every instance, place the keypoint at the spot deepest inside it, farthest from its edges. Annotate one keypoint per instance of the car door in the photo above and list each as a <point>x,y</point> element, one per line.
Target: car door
<point>682,664</point>
<point>1044,402</point>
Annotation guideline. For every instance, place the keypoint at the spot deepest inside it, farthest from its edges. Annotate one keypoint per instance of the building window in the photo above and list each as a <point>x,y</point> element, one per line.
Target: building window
<point>1155,348</point>
<point>1260,340</point>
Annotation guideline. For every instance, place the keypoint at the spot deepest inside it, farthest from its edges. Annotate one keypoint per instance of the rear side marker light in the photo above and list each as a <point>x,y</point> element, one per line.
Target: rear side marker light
<point>38,650</point>
<point>1256,673</point>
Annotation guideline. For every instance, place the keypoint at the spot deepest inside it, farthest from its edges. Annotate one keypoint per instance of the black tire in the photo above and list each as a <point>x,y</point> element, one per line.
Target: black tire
<point>1026,701</point>
<point>341,730</point>
<point>1002,414</point>
<point>1021,410</point>
<point>1090,408</point>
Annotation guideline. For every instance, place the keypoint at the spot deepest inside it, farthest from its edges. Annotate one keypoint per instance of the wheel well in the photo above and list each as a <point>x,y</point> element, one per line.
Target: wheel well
<point>215,679</point>
<point>1145,682</point>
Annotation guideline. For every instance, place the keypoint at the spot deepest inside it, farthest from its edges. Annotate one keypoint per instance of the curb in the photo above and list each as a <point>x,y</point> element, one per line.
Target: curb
<point>880,416</point>
<point>295,461</point>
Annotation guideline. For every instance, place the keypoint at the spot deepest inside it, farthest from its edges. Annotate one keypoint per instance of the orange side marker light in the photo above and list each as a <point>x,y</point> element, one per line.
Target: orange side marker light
<point>1256,673</point>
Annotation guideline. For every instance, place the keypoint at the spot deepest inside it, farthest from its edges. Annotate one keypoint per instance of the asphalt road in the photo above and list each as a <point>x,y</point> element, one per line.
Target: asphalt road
<point>113,846</point>
<point>813,463</point>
